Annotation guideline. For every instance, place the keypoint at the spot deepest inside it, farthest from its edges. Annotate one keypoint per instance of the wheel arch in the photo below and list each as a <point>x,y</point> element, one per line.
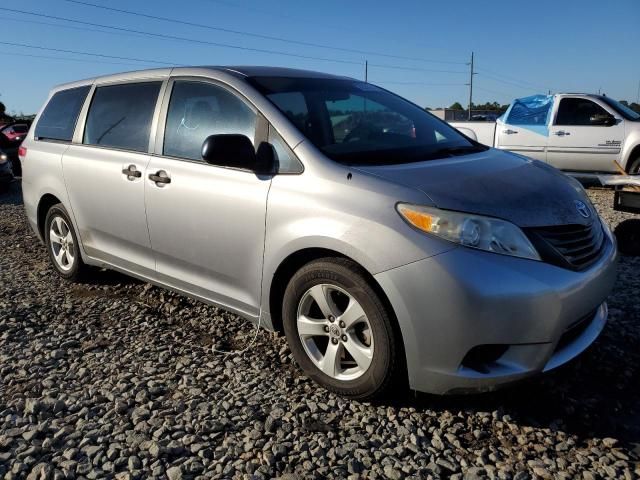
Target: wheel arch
<point>634,154</point>
<point>47,201</point>
<point>296,260</point>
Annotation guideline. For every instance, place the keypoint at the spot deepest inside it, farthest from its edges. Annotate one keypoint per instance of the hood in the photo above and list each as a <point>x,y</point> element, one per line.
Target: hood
<point>499,184</point>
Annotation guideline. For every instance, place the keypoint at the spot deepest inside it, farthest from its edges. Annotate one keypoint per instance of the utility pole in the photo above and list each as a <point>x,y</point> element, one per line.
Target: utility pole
<point>366,71</point>
<point>471,74</point>
<point>638,94</point>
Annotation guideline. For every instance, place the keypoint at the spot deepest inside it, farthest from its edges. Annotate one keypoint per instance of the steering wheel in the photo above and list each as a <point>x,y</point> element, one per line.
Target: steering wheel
<point>360,132</point>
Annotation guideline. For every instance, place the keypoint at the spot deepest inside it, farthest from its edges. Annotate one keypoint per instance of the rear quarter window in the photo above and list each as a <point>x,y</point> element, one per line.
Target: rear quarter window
<point>59,117</point>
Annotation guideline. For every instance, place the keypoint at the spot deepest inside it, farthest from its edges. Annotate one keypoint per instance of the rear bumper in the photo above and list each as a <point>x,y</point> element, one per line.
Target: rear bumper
<point>472,321</point>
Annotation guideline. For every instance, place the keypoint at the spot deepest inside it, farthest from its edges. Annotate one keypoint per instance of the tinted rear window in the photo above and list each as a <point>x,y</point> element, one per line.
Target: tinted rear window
<point>120,116</point>
<point>58,120</point>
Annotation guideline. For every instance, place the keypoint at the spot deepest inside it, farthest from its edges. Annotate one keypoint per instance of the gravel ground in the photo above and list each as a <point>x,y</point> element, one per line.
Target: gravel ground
<point>115,378</point>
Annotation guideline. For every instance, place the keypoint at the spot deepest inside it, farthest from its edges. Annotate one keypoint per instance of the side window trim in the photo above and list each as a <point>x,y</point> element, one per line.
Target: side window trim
<point>82,120</point>
<point>78,137</point>
<point>157,149</point>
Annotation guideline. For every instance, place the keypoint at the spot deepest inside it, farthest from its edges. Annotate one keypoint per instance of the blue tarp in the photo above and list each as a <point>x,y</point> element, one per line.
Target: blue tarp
<point>531,113</point>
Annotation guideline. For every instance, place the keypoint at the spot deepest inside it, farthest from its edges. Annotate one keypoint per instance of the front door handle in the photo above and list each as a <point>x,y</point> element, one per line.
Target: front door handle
<point>160,177</point>
<point>561,133</point>
<point>131,172</point>
<point>509,132</point>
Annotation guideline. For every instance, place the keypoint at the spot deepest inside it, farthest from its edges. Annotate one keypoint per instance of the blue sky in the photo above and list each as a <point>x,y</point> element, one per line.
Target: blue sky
<point>579,46</point>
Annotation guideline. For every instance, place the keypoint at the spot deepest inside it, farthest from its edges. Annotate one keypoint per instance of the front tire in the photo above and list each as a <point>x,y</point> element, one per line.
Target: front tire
<point>340,332</point>
<point>634,167</point>
<point>62,244</point>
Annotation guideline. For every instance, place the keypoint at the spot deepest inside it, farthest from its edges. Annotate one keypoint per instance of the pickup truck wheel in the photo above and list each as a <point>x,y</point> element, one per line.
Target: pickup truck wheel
<point>340,332</point>
<point>62,244</point>
<point>634,166</point>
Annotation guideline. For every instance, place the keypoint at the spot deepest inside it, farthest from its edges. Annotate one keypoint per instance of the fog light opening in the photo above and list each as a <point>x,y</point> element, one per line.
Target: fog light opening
<point>481,357</point>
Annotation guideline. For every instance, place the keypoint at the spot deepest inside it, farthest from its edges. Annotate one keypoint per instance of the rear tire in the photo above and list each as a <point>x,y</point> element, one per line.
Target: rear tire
<point>348,344</point>
<point>62,244</point>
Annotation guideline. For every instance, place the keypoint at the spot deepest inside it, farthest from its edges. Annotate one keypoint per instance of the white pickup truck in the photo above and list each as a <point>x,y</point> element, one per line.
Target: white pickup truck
<point>578,133</point>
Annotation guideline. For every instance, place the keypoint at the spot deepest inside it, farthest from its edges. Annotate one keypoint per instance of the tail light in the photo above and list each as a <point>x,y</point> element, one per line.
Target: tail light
<point>22,152</point>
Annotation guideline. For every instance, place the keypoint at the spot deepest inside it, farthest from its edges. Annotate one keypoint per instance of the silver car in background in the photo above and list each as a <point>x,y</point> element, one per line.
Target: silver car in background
<point>390,249</point>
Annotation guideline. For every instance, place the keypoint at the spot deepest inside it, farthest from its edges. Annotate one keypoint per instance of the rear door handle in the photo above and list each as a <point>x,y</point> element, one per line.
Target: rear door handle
<point>561,133</point>
<point>160,177</point>
<point>509,132</point>
<point>131,172</point>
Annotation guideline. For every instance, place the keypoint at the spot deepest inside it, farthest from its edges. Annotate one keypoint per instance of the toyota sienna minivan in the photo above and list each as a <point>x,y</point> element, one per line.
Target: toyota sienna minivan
<point>389,248</point>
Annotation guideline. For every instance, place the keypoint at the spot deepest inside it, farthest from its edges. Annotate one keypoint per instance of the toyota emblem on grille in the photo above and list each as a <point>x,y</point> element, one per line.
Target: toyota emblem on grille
<point>582,209</point>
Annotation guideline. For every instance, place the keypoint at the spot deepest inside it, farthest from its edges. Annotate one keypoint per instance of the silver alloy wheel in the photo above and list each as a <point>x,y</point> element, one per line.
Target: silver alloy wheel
<point>61,243</point>
<point>335,332</point>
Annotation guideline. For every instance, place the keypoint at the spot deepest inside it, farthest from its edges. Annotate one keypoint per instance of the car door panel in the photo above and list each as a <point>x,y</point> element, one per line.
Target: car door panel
<point>104,178</point>
<point>522,139</point>
<point>575,145</point>
<point>108,205</point>
<point>207,226</point>
<point>207,230</point>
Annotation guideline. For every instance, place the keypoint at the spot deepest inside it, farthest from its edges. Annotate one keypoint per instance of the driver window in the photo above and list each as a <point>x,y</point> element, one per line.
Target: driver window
<point>197,110</point>
<point>578,111</point>
<point>358,118</point>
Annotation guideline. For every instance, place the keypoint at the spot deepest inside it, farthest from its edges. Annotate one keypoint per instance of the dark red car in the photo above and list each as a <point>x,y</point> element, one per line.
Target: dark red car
<point>15,132</point>
<point>11,136</point>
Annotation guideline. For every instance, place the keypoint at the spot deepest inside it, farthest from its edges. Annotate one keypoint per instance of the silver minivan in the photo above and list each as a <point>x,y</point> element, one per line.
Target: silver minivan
<point>390,249</point>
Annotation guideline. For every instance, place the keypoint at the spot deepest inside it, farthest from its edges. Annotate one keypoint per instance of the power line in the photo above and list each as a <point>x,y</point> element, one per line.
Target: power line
<point>101,55</point>
<point>58,25</point>
<point>510,80</point>
<point>393,82</point>
<point>224,45</point>
<point>414,69</point>
<point>184,39</point>
<point>66,59</point>
<point>471,74</point>
<point>495,92</point>
<point>506,82</point>
<point>261,36</point>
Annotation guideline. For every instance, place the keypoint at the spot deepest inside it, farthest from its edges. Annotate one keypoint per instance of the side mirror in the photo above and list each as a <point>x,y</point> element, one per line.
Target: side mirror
<point>237,151</point>
<point>604,120</point>
<point>229,150</point>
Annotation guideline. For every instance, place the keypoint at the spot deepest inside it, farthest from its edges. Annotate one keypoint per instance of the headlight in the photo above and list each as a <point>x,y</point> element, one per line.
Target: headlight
<point>475,231</point>
<point>3,158</point>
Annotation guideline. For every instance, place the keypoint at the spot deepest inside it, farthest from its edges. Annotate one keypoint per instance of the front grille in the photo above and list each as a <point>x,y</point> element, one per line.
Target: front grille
<point>570,246</point>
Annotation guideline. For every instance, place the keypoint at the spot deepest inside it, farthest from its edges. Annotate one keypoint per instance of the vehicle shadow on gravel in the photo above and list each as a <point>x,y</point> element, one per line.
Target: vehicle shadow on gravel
<point>102,277</point>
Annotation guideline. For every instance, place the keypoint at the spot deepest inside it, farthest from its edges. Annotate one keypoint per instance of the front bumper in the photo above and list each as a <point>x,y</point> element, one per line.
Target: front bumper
<point>472,320</point>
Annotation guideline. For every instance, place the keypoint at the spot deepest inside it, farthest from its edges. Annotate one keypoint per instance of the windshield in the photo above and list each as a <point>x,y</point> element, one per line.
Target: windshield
<point>356,123</point>
<point>626,112</point>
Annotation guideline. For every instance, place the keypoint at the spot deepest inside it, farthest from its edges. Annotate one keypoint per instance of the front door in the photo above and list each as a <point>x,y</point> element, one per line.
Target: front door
<point>524,127</point>
<point>577,144</point>
<point>104,176</point>
<point>207,223</point>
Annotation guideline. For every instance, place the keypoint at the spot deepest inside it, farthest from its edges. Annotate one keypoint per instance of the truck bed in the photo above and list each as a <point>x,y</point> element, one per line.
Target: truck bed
<point>483,132</point>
